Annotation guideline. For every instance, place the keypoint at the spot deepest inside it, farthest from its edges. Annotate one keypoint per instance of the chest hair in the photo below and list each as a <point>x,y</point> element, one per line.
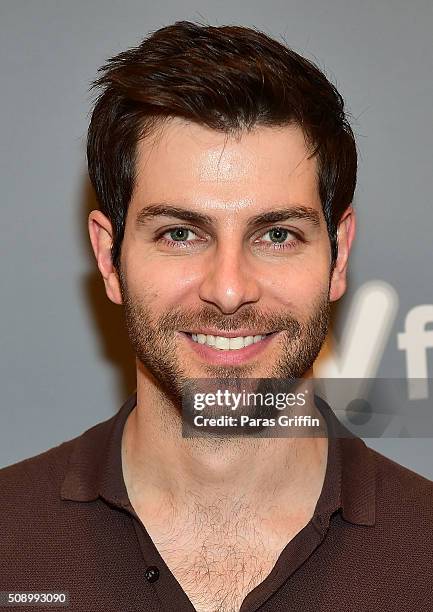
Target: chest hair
<point>218,555</point>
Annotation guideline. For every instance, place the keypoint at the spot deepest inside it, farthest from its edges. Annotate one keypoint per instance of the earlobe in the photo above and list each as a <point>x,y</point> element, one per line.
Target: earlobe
<point>345,236</point>
<point>101,238</point>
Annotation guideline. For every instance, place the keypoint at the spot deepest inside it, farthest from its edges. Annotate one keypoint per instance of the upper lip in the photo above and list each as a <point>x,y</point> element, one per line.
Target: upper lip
<point>232,334</point>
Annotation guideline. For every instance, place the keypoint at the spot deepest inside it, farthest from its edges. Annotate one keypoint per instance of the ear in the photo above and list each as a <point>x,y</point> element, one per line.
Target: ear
<point>345,235</point>
<point>101,237</point>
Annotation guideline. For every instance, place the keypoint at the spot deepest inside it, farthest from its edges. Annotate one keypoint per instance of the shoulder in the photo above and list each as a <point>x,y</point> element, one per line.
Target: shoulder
<point>37,481</point>
<point>403,496</point>
<point>398,479</point>
<point>38,527</point>
<point>31,513</point>
<point>34,478</point>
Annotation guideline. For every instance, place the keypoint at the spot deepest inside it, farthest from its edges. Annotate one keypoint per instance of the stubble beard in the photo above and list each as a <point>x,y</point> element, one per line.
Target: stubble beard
<point>157,349</point>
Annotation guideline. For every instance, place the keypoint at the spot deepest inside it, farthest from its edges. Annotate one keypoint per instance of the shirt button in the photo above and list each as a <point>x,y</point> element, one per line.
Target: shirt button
<point>152,573</point>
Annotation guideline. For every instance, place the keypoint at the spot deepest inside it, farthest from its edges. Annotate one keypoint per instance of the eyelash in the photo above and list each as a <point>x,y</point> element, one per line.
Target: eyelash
<point>183,243</point>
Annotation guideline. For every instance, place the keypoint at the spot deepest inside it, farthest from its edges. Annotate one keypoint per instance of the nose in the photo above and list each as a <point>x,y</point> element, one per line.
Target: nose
<point>228,280</point>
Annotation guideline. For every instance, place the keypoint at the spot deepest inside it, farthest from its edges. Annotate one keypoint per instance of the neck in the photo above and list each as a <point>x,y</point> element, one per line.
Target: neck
<point>165,472</point>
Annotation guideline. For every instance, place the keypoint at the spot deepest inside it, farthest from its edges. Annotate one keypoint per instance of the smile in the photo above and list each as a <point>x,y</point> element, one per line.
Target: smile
<point>228,350</point>
<point>227,344</point>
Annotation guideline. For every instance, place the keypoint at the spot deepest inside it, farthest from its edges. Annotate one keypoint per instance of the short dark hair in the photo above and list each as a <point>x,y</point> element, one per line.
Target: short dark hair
<point>228,78</point>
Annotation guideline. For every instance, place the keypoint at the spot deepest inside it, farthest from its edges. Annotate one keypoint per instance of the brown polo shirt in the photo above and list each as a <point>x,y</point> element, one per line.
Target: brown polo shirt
<point>66,525</point>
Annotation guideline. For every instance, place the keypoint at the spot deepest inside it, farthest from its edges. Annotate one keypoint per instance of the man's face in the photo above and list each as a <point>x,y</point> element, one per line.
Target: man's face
<point>217,266</point>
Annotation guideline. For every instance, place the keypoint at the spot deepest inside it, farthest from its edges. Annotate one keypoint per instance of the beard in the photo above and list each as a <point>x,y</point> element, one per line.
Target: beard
<point>157,349</point>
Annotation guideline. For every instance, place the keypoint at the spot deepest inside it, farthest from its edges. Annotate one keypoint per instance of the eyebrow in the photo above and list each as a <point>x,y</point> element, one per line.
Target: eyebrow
<point>305,213</point>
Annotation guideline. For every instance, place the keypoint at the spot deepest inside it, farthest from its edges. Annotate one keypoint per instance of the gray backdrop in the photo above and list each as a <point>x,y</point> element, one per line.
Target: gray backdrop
<point>65,361</point>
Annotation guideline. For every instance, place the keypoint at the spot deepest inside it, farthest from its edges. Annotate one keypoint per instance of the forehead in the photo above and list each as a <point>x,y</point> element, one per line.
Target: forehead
<point>185,163</point>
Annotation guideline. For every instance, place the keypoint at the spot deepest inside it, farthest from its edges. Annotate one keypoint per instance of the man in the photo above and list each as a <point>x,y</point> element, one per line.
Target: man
<point>225,169</point>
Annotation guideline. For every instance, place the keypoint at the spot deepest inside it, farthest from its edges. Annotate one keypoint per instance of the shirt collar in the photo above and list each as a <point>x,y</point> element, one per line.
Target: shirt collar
<point>354,466</point>
<point>95,469</point>
<point>95,464</point>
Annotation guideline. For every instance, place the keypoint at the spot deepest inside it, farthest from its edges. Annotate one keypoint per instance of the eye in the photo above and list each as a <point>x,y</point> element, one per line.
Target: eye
<point>179,234</point>
<point>278,234</point>
<point>278,238</point>
<point>178,237</point>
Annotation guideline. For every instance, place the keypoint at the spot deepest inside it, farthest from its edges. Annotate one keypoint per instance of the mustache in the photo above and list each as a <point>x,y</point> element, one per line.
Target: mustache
<point>252,318</point>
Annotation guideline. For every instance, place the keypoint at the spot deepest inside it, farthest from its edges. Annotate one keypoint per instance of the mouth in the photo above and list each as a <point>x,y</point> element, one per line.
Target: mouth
<point>229,349</point>
<point>227,343</point>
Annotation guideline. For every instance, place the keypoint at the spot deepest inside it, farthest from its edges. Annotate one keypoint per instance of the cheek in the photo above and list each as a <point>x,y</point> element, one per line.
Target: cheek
<point>298,285</point>
<point>161,283</point>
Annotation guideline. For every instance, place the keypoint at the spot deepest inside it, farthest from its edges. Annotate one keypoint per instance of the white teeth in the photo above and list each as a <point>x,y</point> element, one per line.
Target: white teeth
<point>222,343</point>
<point>226,344</point>
<point>237,343</point>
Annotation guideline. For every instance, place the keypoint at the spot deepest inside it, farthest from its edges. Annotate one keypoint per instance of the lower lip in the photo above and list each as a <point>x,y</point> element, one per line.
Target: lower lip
<point>230,357</point>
